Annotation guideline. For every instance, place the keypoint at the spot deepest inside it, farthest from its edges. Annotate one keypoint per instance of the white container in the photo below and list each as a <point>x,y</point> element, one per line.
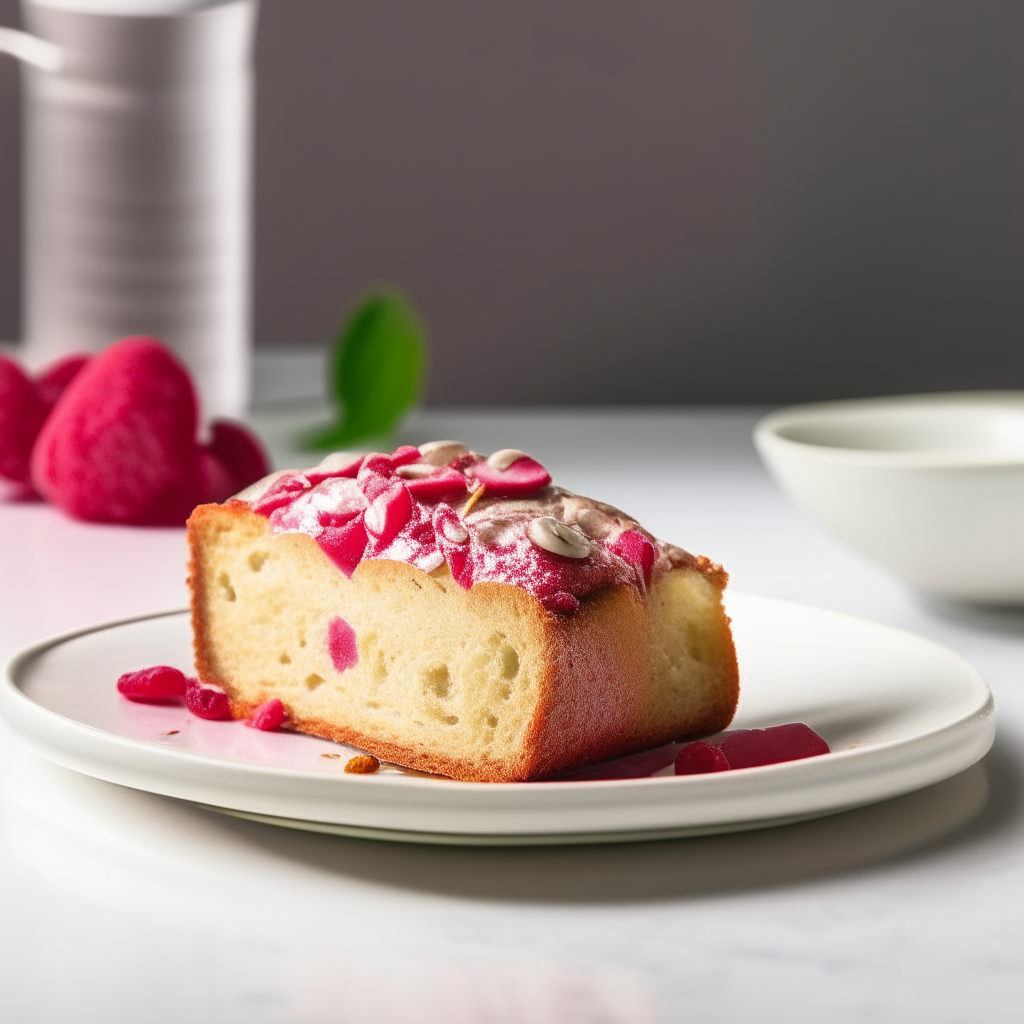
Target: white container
<point>138,126</point>
<point>930,487</point>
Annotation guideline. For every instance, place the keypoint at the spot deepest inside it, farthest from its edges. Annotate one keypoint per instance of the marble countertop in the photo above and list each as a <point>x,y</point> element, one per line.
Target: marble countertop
<point>121,906</point>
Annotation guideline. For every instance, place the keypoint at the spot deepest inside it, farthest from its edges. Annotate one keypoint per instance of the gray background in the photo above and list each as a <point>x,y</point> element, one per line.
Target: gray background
<point>653,201</point>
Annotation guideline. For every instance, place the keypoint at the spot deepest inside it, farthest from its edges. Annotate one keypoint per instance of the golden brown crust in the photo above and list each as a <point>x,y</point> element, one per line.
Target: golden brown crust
<point>590,702</point>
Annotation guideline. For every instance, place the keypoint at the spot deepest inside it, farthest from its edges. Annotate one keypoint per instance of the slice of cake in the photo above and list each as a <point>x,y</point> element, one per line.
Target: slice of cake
<point>458,615</point>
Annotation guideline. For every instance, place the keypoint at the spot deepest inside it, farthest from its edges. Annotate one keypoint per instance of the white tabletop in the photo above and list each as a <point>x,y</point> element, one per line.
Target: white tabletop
<point>120,906</point>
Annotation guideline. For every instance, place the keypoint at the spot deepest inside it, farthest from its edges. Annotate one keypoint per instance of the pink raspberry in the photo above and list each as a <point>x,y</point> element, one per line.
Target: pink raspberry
<point>120,446</point>
<point>52,380</point>
<point>159,684</point>
<point>345,545</point>
<point>207,701</point>
<point>22,412</point>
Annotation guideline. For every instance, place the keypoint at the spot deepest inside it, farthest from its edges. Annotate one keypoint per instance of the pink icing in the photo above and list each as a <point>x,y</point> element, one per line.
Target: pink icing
<point>402,507</point>
<point>341,642</point>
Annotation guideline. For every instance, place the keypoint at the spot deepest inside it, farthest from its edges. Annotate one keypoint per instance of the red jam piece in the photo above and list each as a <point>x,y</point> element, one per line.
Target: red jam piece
<point>158,684</point>
<point>700,758</point>
<point>341,642</point>
<point>344,545</point>
<point>404,454</point>
<point>270,715</point>
<point>636,549</point>
<point>749,748</point>
<point>388,513</point>
<point>282,493</point>
<point>444,483</point>
<point>523,477</point>
<point>205,701</point>
<point>318,476</point>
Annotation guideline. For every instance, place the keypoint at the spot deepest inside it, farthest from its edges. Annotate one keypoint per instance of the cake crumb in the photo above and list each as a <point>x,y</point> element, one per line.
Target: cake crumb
<point>171,732</point>
<point>331,756</point>
<point>364,764</point>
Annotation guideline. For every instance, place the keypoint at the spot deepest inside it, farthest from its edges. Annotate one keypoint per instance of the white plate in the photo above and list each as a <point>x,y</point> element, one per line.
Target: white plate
<point>899,712</point>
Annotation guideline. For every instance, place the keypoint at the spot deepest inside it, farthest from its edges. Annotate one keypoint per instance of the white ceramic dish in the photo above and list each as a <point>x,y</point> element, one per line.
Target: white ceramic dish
<point>929,486</point>
<point>899,711</point>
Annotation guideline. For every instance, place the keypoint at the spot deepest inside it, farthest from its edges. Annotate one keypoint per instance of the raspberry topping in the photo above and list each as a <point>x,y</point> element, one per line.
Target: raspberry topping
<point>700,758</point>
<point>22,412</point>
<point>498,519</point>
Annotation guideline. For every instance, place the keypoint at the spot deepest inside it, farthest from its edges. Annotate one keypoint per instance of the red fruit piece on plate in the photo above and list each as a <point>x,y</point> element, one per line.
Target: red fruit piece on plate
<point>239,451</point>
<point>749,748</point>
<point>120,447</point>
<point>52,380</point>
<point>524,476</point>
<point>344,545</point>
<point>388,513</point>
<point>270,715</point>
<point>22,412</point>
<point>634,547</point>
<point>206,701</point>
<point>341,644</point>
<point>158,684</point>
<point>700,758</point>
<point>437,485</point>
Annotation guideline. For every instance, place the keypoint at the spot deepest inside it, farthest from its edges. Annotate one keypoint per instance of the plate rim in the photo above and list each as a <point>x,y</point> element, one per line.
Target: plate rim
<point>19,709</point>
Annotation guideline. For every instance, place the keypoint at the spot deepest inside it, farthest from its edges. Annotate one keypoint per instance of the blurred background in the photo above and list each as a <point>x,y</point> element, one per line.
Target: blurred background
<point>656,202</point>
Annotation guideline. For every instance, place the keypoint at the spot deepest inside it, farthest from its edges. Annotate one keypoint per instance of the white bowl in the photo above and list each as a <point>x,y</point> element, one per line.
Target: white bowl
<point>929,486</point>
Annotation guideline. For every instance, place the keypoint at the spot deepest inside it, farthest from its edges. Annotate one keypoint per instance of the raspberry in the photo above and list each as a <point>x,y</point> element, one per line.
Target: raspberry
<point>53,380</point>
<point>270,715</point>
<point>120,446</point>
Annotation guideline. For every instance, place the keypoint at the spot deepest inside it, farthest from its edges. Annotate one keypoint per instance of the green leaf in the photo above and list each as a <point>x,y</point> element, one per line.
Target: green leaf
<point>377,372</point>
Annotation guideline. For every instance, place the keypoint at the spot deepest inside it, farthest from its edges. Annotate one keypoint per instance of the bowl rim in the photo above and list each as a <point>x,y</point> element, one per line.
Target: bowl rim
<point>769,441</point>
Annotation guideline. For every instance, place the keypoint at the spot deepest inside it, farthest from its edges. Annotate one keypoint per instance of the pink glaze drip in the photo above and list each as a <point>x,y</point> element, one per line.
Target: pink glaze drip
<point>341,642</point>
<point>402,507</point>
